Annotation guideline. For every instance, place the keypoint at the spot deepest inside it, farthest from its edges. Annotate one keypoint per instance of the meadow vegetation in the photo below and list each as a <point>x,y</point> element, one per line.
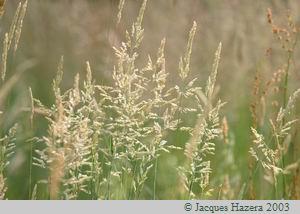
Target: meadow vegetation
<point>148,128</point>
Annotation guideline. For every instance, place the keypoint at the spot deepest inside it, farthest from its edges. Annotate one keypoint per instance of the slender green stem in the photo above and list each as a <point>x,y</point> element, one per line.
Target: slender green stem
<point>30,171</point>
<point>191,186</point>
<point>155,176</point>
<point>275,187</point>
<point>283,176</point>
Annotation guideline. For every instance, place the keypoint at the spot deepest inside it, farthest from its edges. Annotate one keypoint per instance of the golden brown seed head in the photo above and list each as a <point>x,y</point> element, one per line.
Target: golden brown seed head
<point>2,4</point>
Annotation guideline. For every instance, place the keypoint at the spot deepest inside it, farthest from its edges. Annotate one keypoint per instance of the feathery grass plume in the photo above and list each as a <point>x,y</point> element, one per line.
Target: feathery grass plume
<point>7,144</point>
<point>58,78</point>
<point>141,15</point>
<point>75,96</point>
<point>2,5</point>
<point>53,156</point>
<point>13,26</point>
<point>120,10</point>
<point>7,150</point>
<point>283,112</point>
<point>31,107</point>
<point>71,144</point>
<point>184,63</point>
<point>281,132</point>
<point>137,32</point>
<point>186,89</point>
<point>159,74</point>
<point>92,109</point>
<point>281,126</point>
<point>66,145</point>
<point>267,157</point>
<point>19,25</point>
<point>13,34</point>
<point>210,85</point>
<point>204,102</point>
<point>199,148</point>
<point>88,74</point>
<point>139,113</point>
<point>196,174</point>
<point>4,57</point>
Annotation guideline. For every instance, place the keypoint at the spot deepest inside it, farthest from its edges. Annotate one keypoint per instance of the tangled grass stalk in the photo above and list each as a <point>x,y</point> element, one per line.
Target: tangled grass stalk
<point>142,113</point>
<point>268,157</point>
<point>196,173</point>
<point>70,152</point>
<point>8,141</point>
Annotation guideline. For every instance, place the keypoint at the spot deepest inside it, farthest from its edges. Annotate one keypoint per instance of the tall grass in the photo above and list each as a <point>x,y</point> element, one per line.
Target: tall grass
<point>8,141</point>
